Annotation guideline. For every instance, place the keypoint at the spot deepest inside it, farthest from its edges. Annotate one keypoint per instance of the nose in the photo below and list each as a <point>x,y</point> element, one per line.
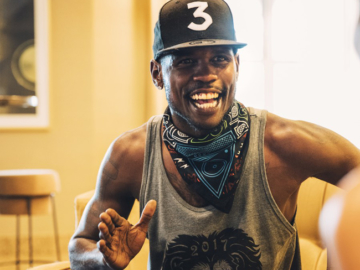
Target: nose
<point>205,72</point>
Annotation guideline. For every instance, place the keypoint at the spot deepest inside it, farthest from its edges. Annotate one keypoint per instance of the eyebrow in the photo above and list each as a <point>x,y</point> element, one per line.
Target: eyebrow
<point>188,51</point>
<point>179,53</point>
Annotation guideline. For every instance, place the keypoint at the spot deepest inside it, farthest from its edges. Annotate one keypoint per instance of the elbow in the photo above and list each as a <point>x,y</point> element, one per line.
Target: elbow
<point>73,250</point>
<point>84,254</point>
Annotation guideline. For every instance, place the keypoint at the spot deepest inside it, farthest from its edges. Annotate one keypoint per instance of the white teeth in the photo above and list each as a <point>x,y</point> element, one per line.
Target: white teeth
<point>205,96</point>
<point>206,105</point>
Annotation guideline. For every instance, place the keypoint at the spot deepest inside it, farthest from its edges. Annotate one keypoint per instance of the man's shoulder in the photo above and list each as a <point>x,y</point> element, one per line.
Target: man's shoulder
<point>123,162</point>
<point>131,143</point>
<point>279,129</point>
<point>310,148</point>
<point>285,132</point>
<point>291,138</point>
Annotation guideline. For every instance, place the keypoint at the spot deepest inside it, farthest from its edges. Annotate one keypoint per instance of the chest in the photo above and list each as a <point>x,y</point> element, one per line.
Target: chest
<point>283,190</point>
<point>182,188</point>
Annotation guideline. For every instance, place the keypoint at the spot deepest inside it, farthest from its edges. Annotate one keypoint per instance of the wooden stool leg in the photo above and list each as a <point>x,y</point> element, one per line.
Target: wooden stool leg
<point>17,262</point>
<point>30,233</point>
<point>56,231</point>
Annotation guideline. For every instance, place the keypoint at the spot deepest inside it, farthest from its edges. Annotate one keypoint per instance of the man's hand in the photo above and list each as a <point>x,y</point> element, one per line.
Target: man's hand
<point>121,241</point>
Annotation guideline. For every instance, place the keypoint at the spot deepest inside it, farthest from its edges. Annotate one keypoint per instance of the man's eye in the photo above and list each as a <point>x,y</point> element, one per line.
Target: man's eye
<point>220,59</point>
<point>186,62</point>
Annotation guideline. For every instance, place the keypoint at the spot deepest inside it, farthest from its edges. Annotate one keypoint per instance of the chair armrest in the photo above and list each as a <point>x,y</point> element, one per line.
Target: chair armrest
<point>80,204</point>
<point>312,196</point>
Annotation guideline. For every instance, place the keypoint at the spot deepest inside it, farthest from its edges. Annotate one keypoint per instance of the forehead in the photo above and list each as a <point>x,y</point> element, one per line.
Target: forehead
<point>202,51</point>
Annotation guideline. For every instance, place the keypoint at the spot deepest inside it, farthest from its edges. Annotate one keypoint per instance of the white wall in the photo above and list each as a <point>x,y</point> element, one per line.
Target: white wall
<point>300,62</point>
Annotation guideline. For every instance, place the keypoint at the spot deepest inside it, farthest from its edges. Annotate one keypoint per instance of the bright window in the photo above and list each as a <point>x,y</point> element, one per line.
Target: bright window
<point>300,62</point>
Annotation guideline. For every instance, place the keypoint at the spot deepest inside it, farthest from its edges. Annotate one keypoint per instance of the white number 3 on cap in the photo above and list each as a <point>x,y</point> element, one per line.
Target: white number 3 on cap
<point>199,12</point>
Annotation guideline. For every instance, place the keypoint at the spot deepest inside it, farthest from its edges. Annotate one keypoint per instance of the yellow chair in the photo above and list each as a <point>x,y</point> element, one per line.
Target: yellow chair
<point>29,192</point>
<point>312,196</point>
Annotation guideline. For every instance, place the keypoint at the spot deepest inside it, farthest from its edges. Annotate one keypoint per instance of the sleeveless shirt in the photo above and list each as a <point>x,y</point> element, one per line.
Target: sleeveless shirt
<point>254,235</point>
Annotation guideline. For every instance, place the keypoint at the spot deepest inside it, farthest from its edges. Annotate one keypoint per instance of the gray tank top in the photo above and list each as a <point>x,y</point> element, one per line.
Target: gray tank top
<point>254,235</point>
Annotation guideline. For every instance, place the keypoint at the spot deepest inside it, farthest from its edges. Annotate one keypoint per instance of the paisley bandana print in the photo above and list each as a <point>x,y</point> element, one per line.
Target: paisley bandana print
<point>211,165</point>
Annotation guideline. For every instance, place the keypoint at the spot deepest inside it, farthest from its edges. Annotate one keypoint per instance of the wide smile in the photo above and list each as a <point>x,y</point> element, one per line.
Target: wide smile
<point>205,100</point>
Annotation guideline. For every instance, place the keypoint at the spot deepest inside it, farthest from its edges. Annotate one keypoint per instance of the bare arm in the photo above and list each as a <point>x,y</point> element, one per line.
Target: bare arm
<point>307,150</point>
<point>117,187</point>
<point>297,150</point>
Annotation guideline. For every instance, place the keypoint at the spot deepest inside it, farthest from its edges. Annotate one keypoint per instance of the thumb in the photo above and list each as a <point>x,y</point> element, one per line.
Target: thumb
<point>146,216</point>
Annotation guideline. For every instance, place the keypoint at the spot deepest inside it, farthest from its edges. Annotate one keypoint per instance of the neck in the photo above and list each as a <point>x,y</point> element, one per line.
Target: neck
<point>191,130</point>
<point>198,130</point>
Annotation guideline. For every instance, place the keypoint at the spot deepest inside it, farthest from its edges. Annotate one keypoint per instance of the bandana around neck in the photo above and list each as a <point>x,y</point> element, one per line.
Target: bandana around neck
<point>211,165</point>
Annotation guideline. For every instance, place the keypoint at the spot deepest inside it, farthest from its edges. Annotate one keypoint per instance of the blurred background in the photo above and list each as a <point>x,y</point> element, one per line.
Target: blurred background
<point>300,63</point>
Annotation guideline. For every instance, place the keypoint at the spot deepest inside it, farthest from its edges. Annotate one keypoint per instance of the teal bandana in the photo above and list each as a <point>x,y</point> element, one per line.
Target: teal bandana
<point>211,165</point>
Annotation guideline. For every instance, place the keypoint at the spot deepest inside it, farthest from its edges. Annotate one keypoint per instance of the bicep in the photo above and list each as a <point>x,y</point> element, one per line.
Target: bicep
<point>337,161</point>
<point>114,189</point>
<point>313,151</point>
<point>330,155</point>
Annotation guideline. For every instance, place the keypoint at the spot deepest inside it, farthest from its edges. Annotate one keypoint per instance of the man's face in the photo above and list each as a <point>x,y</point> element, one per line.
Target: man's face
<point>200,86</point>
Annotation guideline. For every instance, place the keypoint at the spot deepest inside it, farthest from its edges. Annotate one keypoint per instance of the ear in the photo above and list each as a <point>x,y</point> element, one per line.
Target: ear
<point>156,74</point>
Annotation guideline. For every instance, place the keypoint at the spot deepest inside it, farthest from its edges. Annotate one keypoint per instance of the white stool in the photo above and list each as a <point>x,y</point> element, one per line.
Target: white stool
<point>29,192</point>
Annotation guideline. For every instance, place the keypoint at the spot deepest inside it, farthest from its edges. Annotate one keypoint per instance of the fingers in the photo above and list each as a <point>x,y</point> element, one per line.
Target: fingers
<point>111,219</point>
<point>115,218</point>
<point>104,232</point>
<point>107,220</point>
<point>146,216</point>
<point>106,252</point>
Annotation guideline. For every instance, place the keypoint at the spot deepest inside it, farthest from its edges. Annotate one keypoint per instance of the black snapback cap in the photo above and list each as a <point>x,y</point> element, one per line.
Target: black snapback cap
<point>189,23</point>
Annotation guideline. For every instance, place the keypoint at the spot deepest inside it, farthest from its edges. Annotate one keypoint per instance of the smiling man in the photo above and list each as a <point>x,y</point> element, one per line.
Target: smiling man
<point>198,99</point>
<point>217,181</point>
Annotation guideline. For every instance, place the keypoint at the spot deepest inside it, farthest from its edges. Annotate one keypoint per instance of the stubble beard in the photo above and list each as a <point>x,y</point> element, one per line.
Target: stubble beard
<point>197,127</point>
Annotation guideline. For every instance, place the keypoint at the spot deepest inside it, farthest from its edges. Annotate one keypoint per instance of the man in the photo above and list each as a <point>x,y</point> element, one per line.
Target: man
<point>220,180</point>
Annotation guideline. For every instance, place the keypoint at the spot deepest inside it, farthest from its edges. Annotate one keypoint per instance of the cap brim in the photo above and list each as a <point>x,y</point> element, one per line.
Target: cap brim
<point>202,43</point>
